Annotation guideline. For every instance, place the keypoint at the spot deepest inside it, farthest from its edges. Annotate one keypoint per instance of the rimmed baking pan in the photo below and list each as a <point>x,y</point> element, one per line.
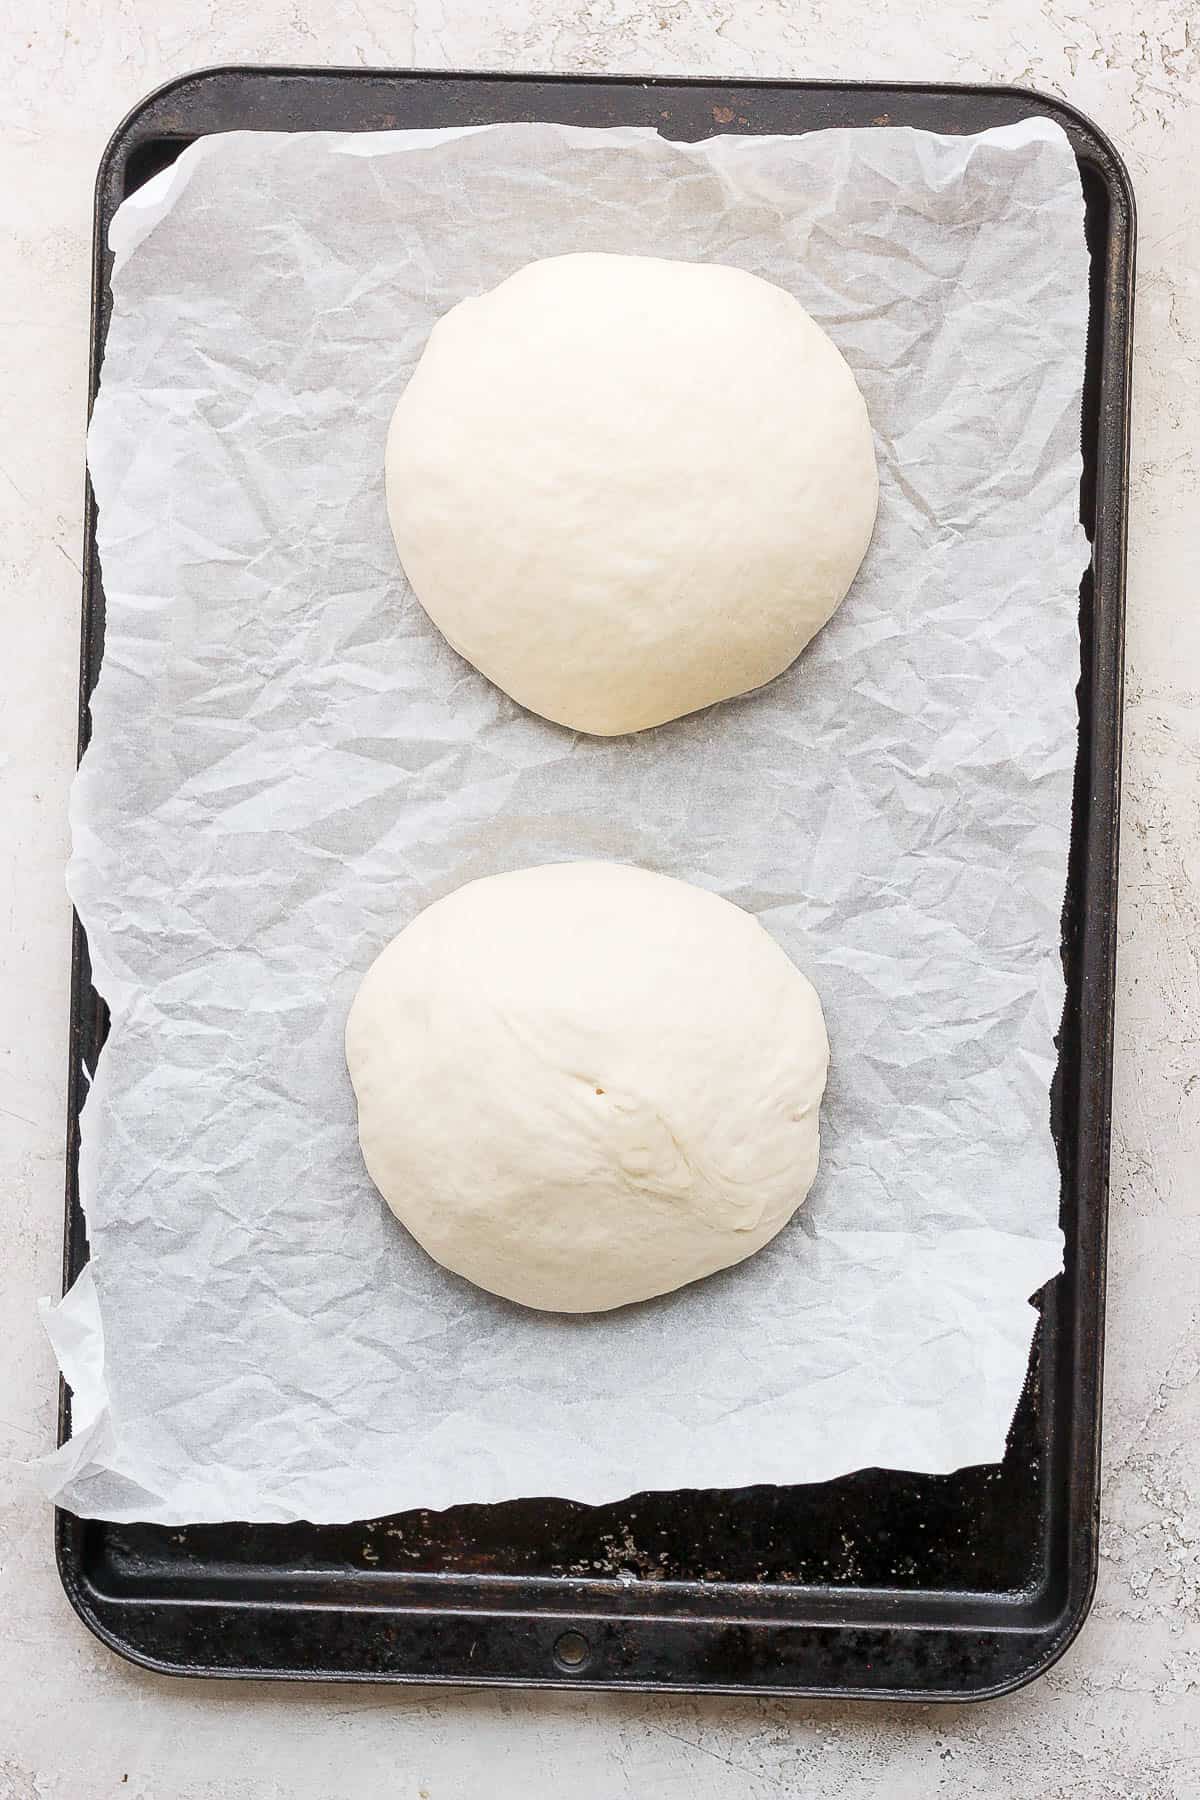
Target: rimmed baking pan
<point>879,1584</point>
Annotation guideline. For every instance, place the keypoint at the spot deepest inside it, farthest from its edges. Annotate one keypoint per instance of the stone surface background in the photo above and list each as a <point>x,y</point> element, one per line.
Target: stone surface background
<point>1117,1719</point>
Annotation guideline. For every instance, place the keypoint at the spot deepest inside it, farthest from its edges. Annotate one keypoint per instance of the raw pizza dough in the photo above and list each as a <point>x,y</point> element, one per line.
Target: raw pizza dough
<point>584,1084</point>
<point>625,488</point>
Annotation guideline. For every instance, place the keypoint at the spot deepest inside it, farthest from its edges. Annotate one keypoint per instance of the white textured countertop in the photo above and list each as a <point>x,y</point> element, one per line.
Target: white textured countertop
<point>1117,1719</point>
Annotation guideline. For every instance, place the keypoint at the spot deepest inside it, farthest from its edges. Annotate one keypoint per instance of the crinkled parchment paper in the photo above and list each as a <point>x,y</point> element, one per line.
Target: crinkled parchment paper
<point>288,763</point>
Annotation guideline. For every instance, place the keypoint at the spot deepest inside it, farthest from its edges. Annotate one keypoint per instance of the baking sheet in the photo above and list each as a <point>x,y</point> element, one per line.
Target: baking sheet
<point>287,763</point>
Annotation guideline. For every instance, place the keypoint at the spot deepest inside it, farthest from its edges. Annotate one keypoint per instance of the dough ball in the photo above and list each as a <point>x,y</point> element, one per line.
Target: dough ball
<point>625,488</point>
<point>584,1084</point>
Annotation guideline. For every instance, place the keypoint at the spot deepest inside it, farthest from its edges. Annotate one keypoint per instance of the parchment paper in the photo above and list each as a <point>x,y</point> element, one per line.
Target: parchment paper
<point>288,763</point>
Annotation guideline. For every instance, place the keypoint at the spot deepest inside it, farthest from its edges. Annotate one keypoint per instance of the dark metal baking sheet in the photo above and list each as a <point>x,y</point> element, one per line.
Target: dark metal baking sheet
<point>882,1583</point>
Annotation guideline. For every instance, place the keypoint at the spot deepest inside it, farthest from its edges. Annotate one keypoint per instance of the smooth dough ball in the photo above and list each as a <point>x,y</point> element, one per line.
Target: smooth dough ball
<point>625,488</point>
<point>583,1084</point>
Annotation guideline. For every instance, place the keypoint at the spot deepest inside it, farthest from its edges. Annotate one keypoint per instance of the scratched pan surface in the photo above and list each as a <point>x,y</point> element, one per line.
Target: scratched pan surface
<point>880,1584</point>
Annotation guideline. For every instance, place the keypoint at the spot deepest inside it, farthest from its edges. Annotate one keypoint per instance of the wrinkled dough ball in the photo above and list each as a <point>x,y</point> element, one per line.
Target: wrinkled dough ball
<point>584,1084</point>
<point>625,488</point>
